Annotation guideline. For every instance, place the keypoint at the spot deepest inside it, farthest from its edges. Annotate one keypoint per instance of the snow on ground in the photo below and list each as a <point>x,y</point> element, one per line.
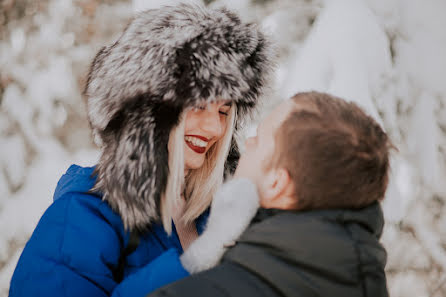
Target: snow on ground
<point>386,55</point>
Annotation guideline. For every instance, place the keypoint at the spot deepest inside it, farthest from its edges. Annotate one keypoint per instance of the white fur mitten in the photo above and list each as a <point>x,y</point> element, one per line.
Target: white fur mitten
<point>232,209</point>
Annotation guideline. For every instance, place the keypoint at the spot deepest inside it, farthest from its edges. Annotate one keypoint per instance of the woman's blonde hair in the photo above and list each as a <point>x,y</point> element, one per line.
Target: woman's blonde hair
<point>200,184</point>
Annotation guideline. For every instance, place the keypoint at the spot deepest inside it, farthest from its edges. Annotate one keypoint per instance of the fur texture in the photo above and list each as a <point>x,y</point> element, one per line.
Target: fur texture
<point>166,60</point>
<point>238,200</point>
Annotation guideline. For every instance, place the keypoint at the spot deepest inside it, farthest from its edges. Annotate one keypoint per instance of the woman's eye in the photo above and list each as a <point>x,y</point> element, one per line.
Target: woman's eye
<point>223,113</point>
<point>199,108</point>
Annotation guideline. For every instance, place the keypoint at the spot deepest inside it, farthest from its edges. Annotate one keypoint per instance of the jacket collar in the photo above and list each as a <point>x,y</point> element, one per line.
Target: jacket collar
<point>370,217</point>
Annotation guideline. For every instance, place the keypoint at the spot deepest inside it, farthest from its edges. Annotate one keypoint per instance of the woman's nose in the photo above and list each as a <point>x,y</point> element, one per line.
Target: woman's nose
<point>212,124</point>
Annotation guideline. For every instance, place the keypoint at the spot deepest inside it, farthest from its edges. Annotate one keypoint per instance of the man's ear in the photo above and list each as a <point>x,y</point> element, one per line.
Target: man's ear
<point>277,190</point>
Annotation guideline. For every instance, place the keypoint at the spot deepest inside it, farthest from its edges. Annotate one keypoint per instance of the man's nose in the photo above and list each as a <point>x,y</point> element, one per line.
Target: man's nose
<point>212,124</point>
<point>249,141</point>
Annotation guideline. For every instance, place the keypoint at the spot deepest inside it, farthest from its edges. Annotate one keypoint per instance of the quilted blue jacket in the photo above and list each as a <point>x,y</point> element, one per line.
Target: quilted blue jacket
<point>75,248</point>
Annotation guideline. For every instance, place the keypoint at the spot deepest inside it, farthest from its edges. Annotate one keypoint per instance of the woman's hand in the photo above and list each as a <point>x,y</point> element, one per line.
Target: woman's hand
<point>233,208</point>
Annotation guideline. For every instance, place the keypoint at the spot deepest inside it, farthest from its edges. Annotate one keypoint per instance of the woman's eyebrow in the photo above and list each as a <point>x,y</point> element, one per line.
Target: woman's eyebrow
<point>229,103</point>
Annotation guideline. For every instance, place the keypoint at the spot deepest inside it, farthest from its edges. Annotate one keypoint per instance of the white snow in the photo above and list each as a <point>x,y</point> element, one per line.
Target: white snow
<point>346,54</point>
<point>141,5</point>
<point>14,159</point>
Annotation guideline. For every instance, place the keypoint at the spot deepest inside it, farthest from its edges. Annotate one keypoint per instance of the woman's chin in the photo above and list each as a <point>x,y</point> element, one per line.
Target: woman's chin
<point>193,165</point>
<point>193,160</point>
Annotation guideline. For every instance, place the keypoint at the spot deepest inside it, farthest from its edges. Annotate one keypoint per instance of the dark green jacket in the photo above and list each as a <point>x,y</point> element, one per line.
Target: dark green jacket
<point>283,253</point>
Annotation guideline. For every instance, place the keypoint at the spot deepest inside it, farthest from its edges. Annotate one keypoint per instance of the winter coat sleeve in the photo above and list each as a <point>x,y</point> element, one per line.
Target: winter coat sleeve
<point>74,250</point>
<point>71,253</point>
<point>163,270</point>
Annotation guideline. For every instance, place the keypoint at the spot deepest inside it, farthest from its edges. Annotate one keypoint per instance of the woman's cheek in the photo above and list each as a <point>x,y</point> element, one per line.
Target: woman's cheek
<point>224,123</point>
<point>211,144</point>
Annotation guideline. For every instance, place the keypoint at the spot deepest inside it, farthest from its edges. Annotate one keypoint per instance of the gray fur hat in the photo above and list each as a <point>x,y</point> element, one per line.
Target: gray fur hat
<point>166,60</point>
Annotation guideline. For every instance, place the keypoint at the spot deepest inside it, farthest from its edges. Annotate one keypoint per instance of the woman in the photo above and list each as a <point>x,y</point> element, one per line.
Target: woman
<point>164,101</point>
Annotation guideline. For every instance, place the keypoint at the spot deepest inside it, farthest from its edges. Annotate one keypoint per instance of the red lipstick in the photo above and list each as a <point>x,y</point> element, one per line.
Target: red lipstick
<point>197,149</point>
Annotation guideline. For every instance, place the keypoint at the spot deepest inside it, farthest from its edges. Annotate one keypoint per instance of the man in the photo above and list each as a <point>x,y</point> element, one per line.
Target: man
<point>320,166</point>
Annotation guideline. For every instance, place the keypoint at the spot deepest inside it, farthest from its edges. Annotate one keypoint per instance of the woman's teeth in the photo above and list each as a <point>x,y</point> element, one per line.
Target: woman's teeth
<point>196,141</point>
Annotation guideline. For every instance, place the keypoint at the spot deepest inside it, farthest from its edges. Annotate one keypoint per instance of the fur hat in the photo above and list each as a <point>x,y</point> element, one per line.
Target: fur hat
<point>166,60</point>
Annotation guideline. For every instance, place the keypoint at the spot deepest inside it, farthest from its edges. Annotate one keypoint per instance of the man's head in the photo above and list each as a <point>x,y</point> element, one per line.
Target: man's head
<point>317,151</point>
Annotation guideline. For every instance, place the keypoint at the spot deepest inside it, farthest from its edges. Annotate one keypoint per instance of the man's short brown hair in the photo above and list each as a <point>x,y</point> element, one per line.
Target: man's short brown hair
<point>336,154</point>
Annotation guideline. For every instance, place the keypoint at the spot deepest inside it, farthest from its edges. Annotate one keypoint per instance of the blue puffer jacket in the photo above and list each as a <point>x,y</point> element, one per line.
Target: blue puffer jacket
<point>76,245</point>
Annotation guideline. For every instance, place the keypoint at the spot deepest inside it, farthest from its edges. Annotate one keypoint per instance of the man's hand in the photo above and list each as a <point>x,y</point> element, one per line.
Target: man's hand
<point>233,208</point>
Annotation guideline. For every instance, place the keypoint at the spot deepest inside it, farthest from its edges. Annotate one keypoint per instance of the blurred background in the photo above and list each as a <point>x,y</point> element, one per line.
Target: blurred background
<point>389,56</point>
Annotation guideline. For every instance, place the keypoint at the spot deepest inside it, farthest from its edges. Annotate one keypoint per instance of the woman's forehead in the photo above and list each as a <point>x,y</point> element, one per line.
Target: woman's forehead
<point>217,103</point>
<point>222,102</point>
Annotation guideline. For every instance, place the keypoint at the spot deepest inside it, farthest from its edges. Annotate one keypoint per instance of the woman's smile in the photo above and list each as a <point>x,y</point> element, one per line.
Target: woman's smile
<point>197,143</point>
<point>205,124</point>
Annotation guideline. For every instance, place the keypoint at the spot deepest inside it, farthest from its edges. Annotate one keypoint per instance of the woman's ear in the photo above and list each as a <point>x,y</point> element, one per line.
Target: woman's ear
<point>277,190</point>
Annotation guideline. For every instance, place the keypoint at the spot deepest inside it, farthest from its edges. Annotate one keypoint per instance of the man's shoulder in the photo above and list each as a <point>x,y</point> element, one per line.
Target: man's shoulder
<point>369,218</point>
<point>226,279</point>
